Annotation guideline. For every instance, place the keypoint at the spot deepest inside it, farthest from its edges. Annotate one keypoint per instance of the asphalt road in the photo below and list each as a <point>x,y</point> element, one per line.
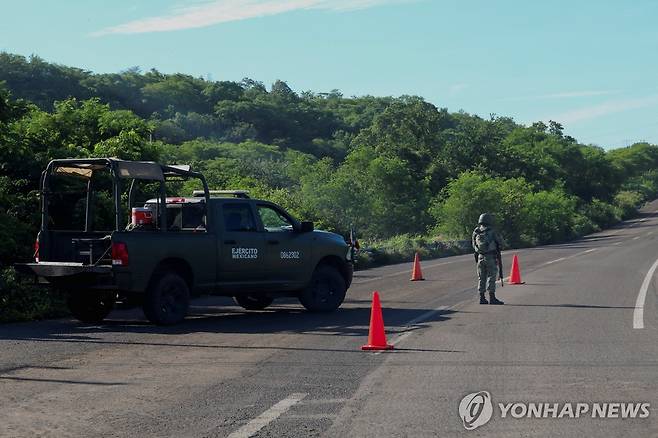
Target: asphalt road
<point>576,332</point>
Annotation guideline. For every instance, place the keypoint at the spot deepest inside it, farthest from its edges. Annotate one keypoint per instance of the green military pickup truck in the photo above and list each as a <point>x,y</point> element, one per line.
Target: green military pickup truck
<point>111,231</point>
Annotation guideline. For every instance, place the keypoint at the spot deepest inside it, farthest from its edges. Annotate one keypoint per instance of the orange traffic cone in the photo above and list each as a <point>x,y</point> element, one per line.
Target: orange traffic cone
<point>376,334</point>
<point>416,273</point>
<point>515,273</point>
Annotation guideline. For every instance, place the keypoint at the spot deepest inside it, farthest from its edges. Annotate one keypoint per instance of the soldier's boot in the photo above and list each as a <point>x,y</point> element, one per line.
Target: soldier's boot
<point>483,299</point>
<point>493,299</point>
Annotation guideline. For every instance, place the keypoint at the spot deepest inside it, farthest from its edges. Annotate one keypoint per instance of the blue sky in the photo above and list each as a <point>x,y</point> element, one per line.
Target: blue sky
<point>591,65</point>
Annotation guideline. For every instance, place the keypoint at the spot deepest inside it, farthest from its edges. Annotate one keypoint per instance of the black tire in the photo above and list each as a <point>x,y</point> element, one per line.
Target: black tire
<point>326,291</point>
<point>167,299</point>
<point>90,306</point>
<point>251,302</point>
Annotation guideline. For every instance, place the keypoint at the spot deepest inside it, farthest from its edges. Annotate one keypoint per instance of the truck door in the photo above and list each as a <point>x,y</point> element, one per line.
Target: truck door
<point>286,251</point>
<point>241,246</point>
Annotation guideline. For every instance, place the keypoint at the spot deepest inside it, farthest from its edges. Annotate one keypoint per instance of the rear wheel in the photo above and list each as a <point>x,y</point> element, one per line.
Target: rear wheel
<point>326,291</point>
<point>90,306</point>
<point>251,302</point>
<point>167,300</point>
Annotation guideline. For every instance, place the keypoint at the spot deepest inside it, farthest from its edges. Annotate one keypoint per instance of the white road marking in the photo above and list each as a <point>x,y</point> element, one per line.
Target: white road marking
<point>616,243</point>
<point>251,428</point>
<point>312,416</point>
<point>399,337</point>
<point>635,238</point>
<point>426,315</point>
<point>405,272</point>
<point>561,259</point>
<point>322,401</point>
<point>554,261</point>
<point>635,223</point>
<point>650,233</point>
<point>441,264</point>
<point>638,313</point>
<point>581,253</point>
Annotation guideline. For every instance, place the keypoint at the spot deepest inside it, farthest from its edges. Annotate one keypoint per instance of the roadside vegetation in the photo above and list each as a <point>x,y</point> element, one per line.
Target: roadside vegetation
<point>405,174</point>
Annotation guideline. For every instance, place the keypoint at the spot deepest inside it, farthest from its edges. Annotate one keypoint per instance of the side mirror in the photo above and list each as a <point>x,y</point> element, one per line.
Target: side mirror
<point>306,227</point>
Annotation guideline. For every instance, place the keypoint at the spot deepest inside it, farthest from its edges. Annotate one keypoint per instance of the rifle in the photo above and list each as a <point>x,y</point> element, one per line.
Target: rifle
<point>353,244</point>
<point>499,260</point>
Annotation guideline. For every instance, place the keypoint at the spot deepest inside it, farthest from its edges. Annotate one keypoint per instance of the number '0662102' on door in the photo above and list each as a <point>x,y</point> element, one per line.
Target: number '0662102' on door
<point>289,254</point>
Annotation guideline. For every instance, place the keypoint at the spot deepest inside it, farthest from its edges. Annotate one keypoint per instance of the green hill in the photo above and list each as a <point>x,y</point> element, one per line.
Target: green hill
<point>389,166</point>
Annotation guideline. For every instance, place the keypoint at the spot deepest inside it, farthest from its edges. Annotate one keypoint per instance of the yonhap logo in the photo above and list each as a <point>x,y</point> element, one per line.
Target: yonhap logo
<point>476,410</point>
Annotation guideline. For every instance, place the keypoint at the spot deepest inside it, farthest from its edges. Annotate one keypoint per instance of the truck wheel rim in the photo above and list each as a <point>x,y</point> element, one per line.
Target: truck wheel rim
<point>172,300</point>
<point>324,291</point>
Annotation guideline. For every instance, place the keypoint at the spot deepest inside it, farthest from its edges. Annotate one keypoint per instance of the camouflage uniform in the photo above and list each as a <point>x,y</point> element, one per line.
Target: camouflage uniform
<point>487,266</point>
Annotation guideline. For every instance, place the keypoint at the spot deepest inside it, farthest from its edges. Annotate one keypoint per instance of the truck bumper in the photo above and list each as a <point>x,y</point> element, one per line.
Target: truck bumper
<point>76,275</point>
<point>60,269</point>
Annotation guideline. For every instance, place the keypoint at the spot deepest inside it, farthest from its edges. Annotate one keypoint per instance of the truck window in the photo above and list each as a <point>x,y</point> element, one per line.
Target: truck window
<point>174,217</point>
<point>184,216</point>
<point>273,220</point>
<point>194,216</point>
<point>238,217</point>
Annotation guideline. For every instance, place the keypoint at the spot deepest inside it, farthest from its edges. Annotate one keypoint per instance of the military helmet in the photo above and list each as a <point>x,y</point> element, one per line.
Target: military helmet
<point>486,219</point>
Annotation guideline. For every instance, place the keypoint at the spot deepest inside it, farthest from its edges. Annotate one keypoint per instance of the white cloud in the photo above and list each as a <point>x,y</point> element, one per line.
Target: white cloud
<point>457,88</point>
<point>567,95</point>
<point>222,11</point>
<point>604,109</point>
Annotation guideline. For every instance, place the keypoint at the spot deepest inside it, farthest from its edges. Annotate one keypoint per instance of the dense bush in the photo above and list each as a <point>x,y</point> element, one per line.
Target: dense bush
<point>404,247</point>
<point>550,216</point>
<point>524,216</point>
<point>20,301</point>
<point>472,193</point>
<point>627,202</point>
<point>602,214</point>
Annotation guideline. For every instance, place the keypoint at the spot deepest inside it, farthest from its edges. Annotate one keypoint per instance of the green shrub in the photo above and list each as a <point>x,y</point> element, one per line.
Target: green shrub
<point>394,250</point>
<point>583,225</point>
<point>628,202</point>
<point>602,214</point>
<point>20,301</point>
<point>524,217</point>
<point>402,248</point>
<point>473,193</point>
<point>550,216</point>
<point>645,183</point>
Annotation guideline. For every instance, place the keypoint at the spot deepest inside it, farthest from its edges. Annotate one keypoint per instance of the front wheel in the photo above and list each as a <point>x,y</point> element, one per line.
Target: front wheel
<point>326,291</point>
<point>90,306</point>
<point>251,302</point>
<point>167,300</point>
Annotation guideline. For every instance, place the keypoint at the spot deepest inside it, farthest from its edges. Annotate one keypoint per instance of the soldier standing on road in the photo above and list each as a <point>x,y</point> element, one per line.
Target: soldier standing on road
<point>487,243</point>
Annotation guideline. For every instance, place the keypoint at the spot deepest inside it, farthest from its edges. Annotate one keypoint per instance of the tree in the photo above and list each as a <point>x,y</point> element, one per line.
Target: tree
<point>183,93</point>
